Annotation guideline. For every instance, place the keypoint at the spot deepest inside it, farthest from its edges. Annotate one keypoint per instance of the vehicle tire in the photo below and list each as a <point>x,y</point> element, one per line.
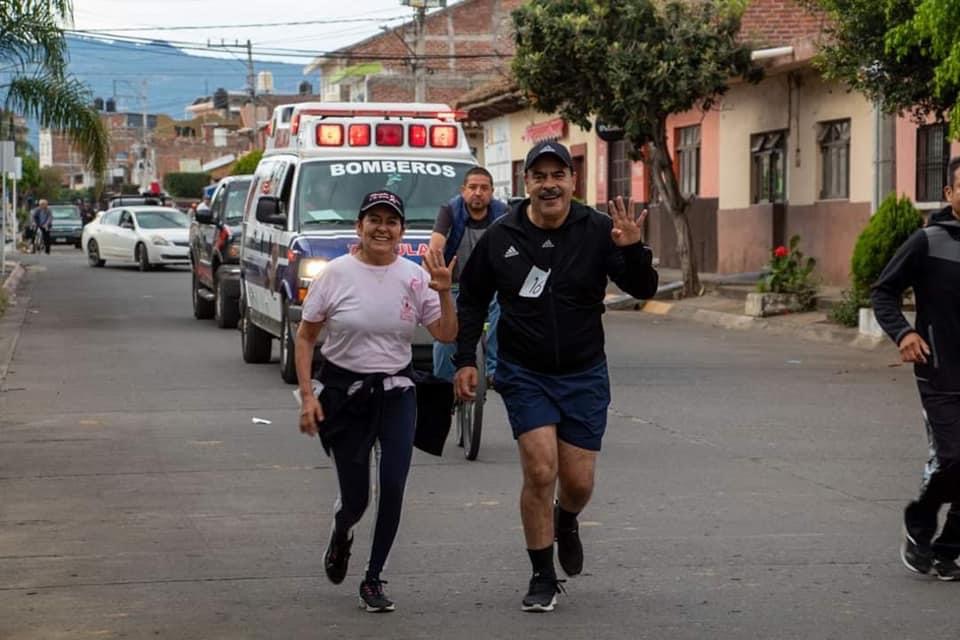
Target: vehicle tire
<point>254,341</point>
<point>202,308</point>
<point>288,361</point>
<point>470,414</point>
<point>226,310</point>
<point>93,254</point>
<point>77,246</point>
<point>143,257</point>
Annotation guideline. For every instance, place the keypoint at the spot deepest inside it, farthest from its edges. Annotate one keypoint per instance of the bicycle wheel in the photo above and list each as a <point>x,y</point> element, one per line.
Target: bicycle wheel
<point>470,414</point>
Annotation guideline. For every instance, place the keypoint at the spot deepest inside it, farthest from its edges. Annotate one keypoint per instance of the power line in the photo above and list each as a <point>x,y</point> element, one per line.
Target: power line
<point>243,26</point>
<point>297,53</point>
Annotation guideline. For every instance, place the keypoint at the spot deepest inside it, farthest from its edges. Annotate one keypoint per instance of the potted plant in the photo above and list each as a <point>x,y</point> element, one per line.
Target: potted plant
<point>789,287</point>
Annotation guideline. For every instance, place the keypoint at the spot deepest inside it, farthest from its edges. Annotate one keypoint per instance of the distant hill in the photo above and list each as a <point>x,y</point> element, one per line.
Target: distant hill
<point>174,78</point>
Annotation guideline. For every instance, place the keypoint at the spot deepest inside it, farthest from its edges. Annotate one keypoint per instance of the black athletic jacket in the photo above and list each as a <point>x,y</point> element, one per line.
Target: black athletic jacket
<point>929,261</point>
<point>553,326</point>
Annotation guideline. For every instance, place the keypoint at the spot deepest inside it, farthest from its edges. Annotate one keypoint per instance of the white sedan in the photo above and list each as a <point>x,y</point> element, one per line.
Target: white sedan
<point>147,236</point>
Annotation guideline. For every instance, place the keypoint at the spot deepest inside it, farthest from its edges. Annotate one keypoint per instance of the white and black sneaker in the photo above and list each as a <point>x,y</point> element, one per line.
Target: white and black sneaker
<point>916,557</point>
<point>946,569</point>
<point>542,594</point>
<point>372,597</point>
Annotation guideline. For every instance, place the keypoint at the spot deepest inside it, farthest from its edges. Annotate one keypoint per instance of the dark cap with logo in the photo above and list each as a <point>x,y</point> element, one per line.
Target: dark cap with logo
<point>386,199</point>
<point>548,148</point>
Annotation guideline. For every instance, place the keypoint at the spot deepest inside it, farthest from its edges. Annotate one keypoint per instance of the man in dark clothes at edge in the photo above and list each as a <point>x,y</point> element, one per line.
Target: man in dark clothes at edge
<point>929,263</point>
<point>548,261</point>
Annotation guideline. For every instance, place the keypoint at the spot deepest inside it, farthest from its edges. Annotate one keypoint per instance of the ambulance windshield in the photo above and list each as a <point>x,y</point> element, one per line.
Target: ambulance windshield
<point>330,192</point>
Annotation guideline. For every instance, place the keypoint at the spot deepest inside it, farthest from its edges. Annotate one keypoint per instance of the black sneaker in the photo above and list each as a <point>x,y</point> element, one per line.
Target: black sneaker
<point>946,569</point>
<point>542,594</point>
<point>569,547</point>
<point>916,557</point>
<point>336,558</point>
<point>372,597</point>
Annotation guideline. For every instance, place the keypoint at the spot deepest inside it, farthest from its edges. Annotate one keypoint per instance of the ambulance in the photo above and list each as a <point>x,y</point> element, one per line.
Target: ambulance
<point>301,209</point>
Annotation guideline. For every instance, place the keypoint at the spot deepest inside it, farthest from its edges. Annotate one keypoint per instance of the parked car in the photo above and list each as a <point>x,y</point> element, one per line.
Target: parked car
<point>215,253</point>
<point>159,200</point>
<point>147,236</point>
<point>67,224</point>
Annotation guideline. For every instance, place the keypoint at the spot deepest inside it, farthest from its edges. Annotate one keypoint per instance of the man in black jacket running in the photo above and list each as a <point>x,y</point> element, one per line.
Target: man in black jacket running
<point>548,261</point>
<point>929,262</point>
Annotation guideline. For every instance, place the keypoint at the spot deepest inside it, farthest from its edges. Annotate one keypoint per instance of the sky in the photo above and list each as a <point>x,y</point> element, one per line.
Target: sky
<point>366,17</point>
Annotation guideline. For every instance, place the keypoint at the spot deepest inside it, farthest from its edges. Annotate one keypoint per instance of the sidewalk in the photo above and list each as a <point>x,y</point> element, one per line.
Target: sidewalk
<point>722,305</point>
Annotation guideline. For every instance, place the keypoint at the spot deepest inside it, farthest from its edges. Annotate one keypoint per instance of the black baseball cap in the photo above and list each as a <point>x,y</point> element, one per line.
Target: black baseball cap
<point>381,198</point>
<point>548,148</point>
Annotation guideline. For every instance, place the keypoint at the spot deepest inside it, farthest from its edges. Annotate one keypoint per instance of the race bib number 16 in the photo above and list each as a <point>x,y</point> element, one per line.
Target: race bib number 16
<point>535,283</point>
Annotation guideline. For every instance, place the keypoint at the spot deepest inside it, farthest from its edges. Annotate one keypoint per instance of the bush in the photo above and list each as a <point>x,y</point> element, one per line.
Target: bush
<point>3,300</point>
<point>186,185</point>
<point>791,273</point>
<point>889,228</point>
<point>847,312</point>
<point>247,164</point>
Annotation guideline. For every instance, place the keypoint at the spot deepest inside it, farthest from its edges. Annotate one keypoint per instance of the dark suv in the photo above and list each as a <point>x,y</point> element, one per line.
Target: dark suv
<point>215,253</point>
<point>67,224</point>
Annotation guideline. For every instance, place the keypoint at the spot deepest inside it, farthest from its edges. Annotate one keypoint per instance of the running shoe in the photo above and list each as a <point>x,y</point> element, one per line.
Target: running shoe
<point>372,597</point>
<point>916,557</point>
<point>542,594</point>
<point>946,569</point>
<point>336,558</point>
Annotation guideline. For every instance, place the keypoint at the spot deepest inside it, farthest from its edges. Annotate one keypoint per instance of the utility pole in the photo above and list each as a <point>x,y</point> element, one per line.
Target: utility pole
<point>420,65</point>
<point>251,76</point>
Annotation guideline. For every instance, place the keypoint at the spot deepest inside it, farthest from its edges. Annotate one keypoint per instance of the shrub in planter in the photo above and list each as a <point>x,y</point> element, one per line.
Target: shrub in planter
<point>847,311</point>
<point>791,273</point>
<point>888,228</point>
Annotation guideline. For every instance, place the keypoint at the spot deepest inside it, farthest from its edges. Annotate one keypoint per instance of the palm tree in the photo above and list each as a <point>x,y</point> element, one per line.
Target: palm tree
<point>33,60</point>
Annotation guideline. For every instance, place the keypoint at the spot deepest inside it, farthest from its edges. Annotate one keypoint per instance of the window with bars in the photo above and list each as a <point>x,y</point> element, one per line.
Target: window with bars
<point>768,167</point>
<point>518,190</point>
<point>688,159</point>
<point>618,170</point>
<point>933,156</point>
<point>834,139</point>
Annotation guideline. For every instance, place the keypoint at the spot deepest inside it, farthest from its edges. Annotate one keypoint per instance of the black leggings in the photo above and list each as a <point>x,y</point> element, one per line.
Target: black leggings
<point>941,478</point>
<point>395,440</point>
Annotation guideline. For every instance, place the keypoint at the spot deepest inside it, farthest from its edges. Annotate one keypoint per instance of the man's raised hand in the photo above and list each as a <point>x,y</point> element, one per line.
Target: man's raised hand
<point>626,229</point>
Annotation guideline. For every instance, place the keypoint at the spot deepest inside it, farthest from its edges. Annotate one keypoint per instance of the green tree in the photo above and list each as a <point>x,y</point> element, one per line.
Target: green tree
<point>934,30</point>
<point>34,81</point>
<point>247,164</point>
<point>895,52</point>
<point>633,63</point>
<point>49,184</point>
<point>185,184</point>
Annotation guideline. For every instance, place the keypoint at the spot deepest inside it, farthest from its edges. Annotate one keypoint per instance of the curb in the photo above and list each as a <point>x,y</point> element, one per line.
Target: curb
<point>725,320</point>
<point>12,320</point>
<point>13,279</point>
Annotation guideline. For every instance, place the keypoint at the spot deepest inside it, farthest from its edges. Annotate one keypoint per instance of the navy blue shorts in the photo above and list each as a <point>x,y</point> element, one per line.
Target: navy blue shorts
<point>576,403</point>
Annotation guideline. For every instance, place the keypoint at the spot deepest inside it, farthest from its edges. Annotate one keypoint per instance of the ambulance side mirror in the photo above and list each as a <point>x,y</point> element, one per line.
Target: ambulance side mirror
<point>269,211</point>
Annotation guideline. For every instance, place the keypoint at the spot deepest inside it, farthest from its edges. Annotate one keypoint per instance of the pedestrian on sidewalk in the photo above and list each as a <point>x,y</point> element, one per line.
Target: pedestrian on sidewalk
<point>548,261</point>
<point>929,263</point>
<point>370,302</point>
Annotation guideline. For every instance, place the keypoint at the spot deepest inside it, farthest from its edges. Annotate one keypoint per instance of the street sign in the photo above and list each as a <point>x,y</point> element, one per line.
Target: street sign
<point>424,4</point>
<point>7,154</point>
<point>609,133</point>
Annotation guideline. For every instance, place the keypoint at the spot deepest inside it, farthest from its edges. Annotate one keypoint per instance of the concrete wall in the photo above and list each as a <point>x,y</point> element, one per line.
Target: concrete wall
<point>828,228</point>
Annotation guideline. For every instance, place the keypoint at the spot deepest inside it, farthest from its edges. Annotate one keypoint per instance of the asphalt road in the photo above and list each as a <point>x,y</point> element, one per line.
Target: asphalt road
<point>750,486</point>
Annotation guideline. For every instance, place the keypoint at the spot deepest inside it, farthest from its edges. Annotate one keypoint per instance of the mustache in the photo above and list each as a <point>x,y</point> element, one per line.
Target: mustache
<point>547,193</point>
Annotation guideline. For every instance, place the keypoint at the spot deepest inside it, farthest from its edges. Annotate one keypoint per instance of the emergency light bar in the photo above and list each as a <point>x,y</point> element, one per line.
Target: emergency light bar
<point>445,116</point>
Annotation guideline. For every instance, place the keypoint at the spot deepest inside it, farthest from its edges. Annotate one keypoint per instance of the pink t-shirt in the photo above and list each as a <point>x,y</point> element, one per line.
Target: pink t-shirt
<point>370,313</point>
